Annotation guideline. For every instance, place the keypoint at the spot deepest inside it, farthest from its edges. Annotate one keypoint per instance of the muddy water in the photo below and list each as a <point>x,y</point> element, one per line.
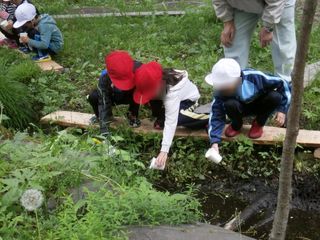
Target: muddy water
<point>220,208</point>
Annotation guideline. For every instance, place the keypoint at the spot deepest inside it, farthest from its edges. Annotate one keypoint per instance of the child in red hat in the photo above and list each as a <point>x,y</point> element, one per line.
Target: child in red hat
<point>116,87</point>
<point>180,98</point>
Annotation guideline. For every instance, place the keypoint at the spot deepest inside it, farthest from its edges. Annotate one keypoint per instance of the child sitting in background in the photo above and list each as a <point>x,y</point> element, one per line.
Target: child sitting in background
<point>240,93</point>
<point>7,14</point>
<point>48,42</point>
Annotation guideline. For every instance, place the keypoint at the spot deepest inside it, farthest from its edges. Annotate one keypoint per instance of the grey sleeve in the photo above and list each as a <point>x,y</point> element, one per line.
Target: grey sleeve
<point>223,10</point>
<point>273,12</point>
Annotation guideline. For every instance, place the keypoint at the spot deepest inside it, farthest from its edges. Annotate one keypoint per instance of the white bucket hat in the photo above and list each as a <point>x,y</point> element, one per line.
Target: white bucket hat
<point>224,73</point>
<point>24,13</point>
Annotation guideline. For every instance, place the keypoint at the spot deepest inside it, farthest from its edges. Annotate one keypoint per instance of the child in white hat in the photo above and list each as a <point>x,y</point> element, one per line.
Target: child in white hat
<point>48,41</point>
<point>240,93</point>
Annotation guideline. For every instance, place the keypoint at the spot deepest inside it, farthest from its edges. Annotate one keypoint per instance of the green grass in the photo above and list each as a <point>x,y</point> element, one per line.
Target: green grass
<point>56,163</point>
<point>65,6</point>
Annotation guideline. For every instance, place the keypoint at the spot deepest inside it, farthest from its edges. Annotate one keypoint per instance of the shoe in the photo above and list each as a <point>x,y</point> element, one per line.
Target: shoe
<point>230,132</point>
<point>134,122</point>
<point>24,50</point>
<point>256,130</point>
<point>94,120</point>
<point>40,59</point>
<point>158,124</point>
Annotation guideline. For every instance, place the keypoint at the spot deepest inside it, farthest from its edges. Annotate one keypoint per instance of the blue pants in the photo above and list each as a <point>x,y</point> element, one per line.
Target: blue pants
<point>283,46</point>
<point>42,52</point>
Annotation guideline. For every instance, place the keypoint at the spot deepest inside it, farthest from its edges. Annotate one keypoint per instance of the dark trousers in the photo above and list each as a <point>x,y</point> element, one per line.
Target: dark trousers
<point>13,36</point>
<point>118,98</point>
<point>190,119</point>
<point>262,108</point>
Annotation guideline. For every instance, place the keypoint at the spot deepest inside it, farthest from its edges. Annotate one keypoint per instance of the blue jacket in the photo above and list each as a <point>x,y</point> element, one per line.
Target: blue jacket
<point>254,84</point>
<point>50,35</point>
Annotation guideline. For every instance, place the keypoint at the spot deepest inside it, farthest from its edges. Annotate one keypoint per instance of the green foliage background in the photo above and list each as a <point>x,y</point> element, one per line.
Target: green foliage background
<point>63,160</point>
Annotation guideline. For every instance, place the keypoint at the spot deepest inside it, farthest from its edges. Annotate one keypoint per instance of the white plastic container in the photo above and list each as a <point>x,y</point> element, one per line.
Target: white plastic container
<point>213,156</point>
<point>4,24</point>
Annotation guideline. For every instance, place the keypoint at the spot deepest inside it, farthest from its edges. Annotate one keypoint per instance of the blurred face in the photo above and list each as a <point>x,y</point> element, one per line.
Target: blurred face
<point>30,24</point>
<point>230,90</point>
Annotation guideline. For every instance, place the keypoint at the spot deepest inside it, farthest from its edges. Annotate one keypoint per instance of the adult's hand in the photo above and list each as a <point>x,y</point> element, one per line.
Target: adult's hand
<point>265,37</point>
<point>162,159</point>
<point>228,33</point>
<point>280,119</point>
<point>215,146</point>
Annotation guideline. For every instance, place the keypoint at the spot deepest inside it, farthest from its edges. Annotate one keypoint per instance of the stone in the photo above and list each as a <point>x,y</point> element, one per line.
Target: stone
<point>311,73</point>
<point>316,153</point>
<point>184,232</point>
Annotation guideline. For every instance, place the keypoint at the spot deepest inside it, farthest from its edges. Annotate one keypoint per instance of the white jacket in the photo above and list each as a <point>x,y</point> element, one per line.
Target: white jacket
<point>184,90</point>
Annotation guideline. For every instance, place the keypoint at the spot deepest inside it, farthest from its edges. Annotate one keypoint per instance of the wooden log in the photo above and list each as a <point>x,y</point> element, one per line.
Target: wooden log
<point>271,136</point>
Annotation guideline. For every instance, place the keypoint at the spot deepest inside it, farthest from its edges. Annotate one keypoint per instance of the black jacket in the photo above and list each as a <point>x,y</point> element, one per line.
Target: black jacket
<point>109,96</point>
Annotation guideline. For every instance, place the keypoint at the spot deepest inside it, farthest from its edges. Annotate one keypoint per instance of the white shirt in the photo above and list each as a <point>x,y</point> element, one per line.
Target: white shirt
<point>184,90</point>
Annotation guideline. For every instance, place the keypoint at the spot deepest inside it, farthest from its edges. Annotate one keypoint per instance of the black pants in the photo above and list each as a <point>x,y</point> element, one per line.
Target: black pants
<point>13,36</point>
<point>118,98</point>
<point>190,119</point>
<point>262,108</point>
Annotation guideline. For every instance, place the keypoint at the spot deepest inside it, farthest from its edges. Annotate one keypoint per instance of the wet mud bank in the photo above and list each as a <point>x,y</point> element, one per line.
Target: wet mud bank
<point>248,206</point>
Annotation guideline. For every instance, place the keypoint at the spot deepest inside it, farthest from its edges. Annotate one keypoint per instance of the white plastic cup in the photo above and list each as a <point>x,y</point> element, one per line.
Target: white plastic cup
<point>23,34</point>
<point>213,156</point>
<point>4,23</point>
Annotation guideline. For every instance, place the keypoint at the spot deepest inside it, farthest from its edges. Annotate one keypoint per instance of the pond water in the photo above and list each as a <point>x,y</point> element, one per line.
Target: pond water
<point>220,208</point>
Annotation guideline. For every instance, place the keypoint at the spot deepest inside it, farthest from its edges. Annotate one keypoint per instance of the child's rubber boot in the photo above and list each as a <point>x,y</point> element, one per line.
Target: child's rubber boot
<point>256,130</point>
<point>230,132</point>
<point>43,58</point>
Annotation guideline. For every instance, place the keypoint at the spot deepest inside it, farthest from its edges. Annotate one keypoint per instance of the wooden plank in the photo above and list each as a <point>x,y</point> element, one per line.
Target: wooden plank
<point>271,136</point>
<point>50,66</point>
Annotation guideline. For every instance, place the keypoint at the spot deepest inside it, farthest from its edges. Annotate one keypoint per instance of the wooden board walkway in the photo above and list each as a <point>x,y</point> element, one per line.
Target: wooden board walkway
<point>271,136</point>
<point>50,66</point>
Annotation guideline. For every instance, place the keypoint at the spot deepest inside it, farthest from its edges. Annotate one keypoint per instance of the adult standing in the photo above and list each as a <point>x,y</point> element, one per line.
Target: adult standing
<point>240,19</point>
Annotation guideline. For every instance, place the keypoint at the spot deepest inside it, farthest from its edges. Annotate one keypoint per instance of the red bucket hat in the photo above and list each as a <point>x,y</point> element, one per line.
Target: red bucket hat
<point>148,80</point>
<point>119,65</point>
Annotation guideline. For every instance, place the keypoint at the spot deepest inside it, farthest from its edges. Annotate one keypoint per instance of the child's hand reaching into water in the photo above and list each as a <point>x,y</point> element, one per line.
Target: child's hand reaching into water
<point>162,159</point>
